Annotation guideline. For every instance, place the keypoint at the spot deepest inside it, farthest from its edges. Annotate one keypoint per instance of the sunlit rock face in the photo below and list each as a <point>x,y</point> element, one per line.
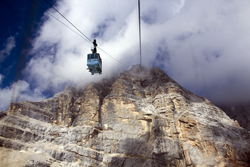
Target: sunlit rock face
<point>142,118</point>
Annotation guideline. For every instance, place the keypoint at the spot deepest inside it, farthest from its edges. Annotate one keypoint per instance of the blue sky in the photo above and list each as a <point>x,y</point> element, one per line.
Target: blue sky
<point>202,44</point>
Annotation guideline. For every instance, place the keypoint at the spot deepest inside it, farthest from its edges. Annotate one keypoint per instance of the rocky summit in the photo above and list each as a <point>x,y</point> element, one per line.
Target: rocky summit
<point>142,118</point>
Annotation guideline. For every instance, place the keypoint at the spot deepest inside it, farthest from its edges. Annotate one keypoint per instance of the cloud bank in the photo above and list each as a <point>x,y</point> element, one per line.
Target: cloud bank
<point>203,45</point>
<point>19,91</point>
<point>8,46</point>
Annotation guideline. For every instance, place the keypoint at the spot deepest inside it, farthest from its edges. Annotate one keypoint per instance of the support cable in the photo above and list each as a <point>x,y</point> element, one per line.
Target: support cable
<point>68,20</point>
<point>86,38</point>
<point>58,20</point>
<point>139,15</point>
<point>85,35</point>
<point>112,57</point>
<point>112,14</point>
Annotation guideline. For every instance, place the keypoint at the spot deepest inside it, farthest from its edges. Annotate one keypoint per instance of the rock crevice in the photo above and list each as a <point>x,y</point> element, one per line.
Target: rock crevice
<point>141,118</point>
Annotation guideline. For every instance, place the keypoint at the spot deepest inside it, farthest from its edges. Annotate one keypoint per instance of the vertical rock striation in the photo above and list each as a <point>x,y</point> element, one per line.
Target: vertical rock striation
<point>142,118</point>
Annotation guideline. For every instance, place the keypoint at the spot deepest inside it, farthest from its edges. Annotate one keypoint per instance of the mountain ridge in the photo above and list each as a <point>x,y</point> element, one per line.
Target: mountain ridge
<point>241,113</point>
<point>141,118</point>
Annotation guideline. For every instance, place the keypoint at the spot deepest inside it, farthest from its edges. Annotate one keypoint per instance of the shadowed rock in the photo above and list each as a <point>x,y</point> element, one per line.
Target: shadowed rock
<point>240,113</point>
<point>142,118</point>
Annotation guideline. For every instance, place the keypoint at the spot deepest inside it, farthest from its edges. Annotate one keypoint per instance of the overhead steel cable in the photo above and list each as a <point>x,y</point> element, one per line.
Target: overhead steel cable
<point>85,35</point>
<point>88,40</point>
<point>112,57</point>
<point>68,20</point>
<point>112,14</point>
<point>58,20</point>
<point>139,15</point>
<point>110,10</point>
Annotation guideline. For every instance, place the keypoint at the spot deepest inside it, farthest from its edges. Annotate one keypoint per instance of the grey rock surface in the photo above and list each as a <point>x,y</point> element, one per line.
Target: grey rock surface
<point>241,113</point>
<point>143,118</point>
<point>2,114</point>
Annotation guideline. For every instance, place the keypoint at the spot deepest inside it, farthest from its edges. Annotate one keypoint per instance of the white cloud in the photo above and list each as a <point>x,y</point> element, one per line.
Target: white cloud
<point>203,45</point>
<point>18,91</point>
<point>1,78</point>
<point>8,46</point>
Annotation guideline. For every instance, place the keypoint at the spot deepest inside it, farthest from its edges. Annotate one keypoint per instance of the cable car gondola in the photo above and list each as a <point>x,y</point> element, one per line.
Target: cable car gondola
<point>94,61</point>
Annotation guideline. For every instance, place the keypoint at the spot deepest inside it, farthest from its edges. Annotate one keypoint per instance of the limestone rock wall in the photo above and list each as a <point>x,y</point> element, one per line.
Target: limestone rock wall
<point>2,114</point>
<point>143,118</point>
<point>241,113</point>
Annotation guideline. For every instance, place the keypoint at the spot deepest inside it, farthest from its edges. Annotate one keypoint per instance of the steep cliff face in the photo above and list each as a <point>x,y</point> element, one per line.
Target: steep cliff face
<point>241,113</point>
<point>142,118</point>
<point>2,114</point>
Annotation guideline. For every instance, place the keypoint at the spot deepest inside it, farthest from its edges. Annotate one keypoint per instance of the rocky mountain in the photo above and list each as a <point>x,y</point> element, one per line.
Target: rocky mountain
<point>143,118</point>
<point>241,113</point>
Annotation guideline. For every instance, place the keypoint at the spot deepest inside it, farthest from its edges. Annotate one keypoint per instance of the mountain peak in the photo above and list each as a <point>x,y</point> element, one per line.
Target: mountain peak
<point>141,118</point>
<point>144,76</point>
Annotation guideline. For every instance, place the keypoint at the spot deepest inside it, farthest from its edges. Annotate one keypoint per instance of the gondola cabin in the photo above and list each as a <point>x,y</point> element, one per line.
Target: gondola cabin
<point>94,61</point>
